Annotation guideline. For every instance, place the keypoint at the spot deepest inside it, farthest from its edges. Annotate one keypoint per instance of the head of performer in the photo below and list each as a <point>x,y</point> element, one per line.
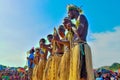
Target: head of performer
<point>32,50</point>
<point>73,11</point>
<point>37,50</point>
<point>50,37</point>
<point>61,31</point>
<point>67,23</point>
<point>42,42</point>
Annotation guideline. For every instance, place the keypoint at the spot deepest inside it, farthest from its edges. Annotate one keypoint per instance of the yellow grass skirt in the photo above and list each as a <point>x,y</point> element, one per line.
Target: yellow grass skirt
<point>64,67</point>
<point>75,67</point>
<point>47,71</point>
<point>34,75</point>
<point>41,67</point>
<point>55,66</point>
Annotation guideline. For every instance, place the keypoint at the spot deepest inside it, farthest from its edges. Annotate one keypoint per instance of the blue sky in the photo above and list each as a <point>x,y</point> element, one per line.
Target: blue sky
<point>24,22</point>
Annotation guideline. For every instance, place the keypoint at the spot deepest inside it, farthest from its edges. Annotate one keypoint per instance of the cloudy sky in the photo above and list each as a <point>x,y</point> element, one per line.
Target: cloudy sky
<point>24,22</point>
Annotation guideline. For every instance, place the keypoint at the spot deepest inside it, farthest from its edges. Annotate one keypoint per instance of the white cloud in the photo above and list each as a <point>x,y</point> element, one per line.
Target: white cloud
<point>106,47</point>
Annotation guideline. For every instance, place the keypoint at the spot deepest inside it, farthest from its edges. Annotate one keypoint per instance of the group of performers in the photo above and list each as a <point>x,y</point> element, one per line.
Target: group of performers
<point>70,55</point>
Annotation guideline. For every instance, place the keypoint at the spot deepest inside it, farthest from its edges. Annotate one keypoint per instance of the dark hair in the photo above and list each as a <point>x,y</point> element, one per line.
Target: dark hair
<point>32,50</point>
<point>61,28</point>
<point>74,10</point>
<point>49,36</point>
<point>66,20</point>
<point>42,40</point>
<point>99,74</point>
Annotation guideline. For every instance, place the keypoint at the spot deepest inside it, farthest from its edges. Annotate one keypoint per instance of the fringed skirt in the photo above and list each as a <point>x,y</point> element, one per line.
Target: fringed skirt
<point>47,71</point>
<point>55,66</point>
<point>34,75</point>
<point>81,62</point>
<point>41,67</point>
<point>63,73</point>
<point>88,60</point>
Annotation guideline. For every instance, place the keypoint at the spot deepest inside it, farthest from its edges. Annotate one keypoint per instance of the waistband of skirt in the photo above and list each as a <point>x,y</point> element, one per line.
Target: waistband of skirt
<point>77,43</point>
<point>59,54</point>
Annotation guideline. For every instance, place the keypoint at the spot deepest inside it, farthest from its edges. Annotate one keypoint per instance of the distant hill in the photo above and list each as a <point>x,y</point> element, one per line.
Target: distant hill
<point>113,67</point>
<point>105,67</point>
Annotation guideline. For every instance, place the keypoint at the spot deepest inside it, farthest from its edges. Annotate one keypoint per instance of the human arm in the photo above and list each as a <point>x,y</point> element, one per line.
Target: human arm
<point>83,24</point>
<point>31,60</point>
<point>63,42</point>
<point>47,47</point>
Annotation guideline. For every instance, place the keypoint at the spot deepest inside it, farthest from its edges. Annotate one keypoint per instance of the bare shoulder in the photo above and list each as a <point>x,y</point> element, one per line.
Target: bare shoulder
<point>83,19</point>
<point>82,16</point>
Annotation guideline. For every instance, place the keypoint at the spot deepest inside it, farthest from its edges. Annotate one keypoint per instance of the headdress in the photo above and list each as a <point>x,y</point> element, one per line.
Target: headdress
<point>73,7</point>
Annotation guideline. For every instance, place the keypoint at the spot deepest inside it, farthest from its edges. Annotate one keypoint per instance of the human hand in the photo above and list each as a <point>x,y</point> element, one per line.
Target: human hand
<point>56,38</point>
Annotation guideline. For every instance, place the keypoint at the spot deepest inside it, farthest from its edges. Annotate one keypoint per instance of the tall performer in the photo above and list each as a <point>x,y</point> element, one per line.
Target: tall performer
<point>36,61</point>
<point>58,50</point>
<point>47,72</point>
<point>63,73</point>
<point>43,59</point>
<point>81,59</point>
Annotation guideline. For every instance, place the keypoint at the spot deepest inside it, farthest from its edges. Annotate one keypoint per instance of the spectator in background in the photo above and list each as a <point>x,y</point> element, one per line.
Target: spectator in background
<point>118,76</point>
<point>30,63</point>
<point>99,76</point>
<point>5,76</point>
<point>0,75</point>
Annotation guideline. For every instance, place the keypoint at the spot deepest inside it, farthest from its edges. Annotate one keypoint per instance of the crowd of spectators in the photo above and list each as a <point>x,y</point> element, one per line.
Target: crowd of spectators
<point>111,75</point>
<point>13,74</point>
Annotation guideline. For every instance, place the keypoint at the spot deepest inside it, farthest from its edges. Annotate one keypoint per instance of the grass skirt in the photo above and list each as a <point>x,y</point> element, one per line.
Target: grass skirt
<point>64,67</point>
<point>71,77</point>
<point>41,67</point>
<point>75,66</point>
<point>90,73</point>
<point>47,71</point>
<point>34,75</point>
<point>55,66</point>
